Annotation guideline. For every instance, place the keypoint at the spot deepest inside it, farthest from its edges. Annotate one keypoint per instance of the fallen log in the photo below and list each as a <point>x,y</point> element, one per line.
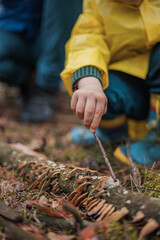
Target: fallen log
<point>85,188</point>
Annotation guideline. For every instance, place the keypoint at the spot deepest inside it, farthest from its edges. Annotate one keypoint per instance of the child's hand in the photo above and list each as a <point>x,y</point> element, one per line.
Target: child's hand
<point>89,102</point>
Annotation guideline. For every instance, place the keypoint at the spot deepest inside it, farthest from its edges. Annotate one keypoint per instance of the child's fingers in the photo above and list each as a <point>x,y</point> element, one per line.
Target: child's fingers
<point>80,107</point>
<point>89,112</point>
<point>74,101</point>
<point>97,116</point>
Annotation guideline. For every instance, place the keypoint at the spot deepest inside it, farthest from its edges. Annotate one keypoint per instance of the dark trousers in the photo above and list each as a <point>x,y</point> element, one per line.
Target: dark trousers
<point>45,53</point>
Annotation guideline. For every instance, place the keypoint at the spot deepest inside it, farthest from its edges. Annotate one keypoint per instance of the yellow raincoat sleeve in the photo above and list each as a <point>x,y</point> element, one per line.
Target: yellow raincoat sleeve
<point>87,46</point>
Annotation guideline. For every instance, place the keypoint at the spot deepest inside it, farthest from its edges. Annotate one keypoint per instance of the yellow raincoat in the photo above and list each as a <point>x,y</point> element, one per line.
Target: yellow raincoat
<point>112,35</point>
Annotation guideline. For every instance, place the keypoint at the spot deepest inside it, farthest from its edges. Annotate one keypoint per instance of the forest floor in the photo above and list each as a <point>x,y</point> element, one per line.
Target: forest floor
<point>50,139</point>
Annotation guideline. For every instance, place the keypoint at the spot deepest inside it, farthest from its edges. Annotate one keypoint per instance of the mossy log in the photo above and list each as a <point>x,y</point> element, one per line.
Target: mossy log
<point>81,185</point>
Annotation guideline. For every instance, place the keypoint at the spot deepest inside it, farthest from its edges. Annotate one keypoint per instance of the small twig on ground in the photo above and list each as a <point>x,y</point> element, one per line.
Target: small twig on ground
<point>34,216</point>
<point>145,188</point>
<point>105,156</point>
<point>133,167</point>
<point>134,183</point>
<point>153,166</point>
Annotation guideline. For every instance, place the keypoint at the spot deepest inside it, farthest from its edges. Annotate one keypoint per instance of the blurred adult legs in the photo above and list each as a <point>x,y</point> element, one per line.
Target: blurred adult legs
<point>15,60</point>
<point>45,53</point>
<point>58,18</point>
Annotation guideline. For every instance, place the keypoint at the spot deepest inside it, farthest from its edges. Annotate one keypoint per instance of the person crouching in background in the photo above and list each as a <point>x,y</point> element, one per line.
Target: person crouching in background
<point>112,73</point>
<point>32,38</point>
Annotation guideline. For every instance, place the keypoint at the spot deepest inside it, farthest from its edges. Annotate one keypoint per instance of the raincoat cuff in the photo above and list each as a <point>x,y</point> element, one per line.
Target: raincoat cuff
<point>85,72</point>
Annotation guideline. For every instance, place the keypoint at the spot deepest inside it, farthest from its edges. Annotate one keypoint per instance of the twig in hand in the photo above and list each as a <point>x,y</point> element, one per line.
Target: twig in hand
<point>133,167</point>
<point>105,156</point>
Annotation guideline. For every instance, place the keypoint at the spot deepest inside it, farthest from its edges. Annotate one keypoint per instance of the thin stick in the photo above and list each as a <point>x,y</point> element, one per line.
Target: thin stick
<point>145,188</point>
<point>105,156</point>
<point>133,167</point>
<point>135,183</point>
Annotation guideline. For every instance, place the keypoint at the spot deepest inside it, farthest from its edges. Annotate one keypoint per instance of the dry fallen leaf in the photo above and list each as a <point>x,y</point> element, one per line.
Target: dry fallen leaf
<point>36,144</point>
<point>51,207</point>
<point>148,228</point>
<point>32,229</point>
<point>87,233</point>
<point>139,216</point>
<point>43,201</point>
<point>55,204</point>
<point>54,236</point>
<point>106,211</point>
<point>115,216</point>
<point>97,208</point>
<point>48,211</point>
<point>27,150</point>
<point>45,206</point>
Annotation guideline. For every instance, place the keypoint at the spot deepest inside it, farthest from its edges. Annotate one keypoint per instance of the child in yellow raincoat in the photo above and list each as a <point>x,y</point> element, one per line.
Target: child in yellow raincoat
<point>113,72</point>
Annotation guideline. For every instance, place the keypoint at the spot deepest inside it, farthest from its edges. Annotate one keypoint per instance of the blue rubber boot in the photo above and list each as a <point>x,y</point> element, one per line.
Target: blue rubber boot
<point>146,151</point>
<point>84,136</point>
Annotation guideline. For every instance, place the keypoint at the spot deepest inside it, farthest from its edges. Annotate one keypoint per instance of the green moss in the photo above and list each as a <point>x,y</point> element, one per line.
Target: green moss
<point>1,228</point>
<point>151,183</point>
<point>121,231</point>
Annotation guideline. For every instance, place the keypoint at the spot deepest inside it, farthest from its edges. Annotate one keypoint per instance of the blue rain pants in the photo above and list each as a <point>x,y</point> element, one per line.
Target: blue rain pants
<point>130,95</point>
